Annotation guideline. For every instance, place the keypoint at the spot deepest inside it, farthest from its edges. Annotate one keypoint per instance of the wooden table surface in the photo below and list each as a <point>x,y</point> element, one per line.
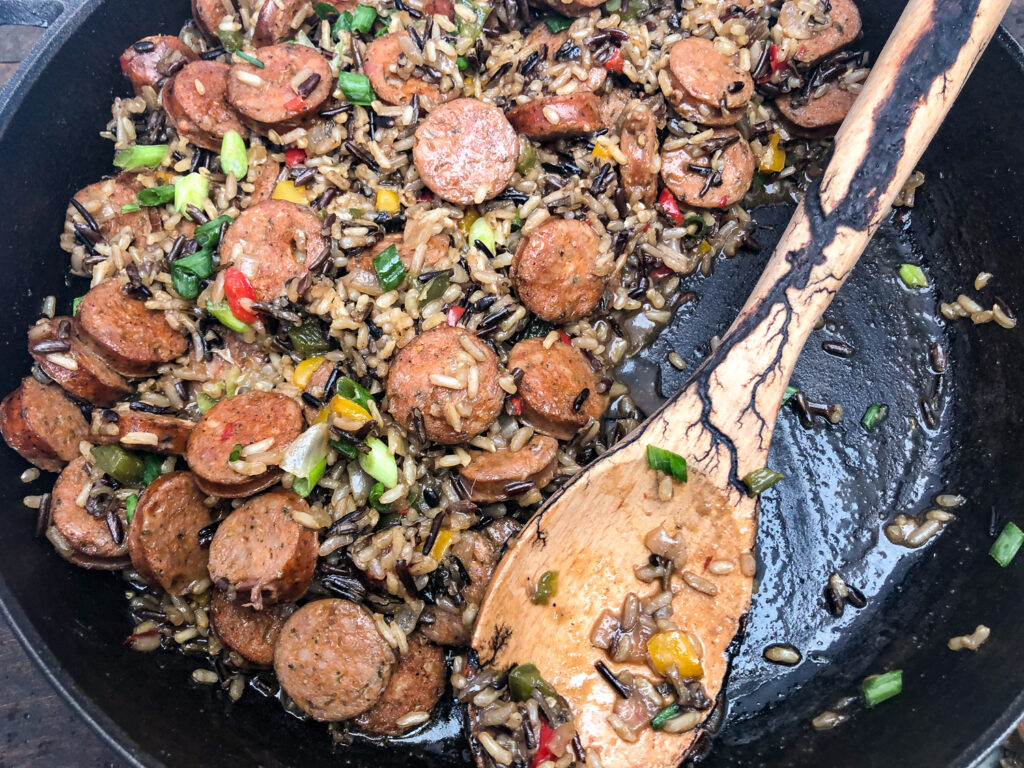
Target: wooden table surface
<point>37,728</point>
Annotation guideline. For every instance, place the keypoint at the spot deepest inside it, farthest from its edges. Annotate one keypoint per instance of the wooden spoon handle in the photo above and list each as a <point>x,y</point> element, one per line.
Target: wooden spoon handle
<point>928,58</point>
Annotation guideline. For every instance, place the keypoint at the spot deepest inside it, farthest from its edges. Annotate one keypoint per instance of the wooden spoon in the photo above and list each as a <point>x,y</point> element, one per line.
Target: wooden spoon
<point>592,531</point>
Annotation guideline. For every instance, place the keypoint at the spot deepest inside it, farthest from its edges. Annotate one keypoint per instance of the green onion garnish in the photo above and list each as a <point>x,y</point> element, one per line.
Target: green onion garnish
<point>379,463</point>
<point>351,390</point>
<point>547,587</point>
<point>790,391</point>
<point>231,40</point>
<point>356,88</point>
<point>874,416</point>
<point>697,221</point>
<point>188,271</point>
<point>236,452</point>
<point>659,720</point>
<point>344,447</point>
<point>155,195</point>
<point>912,276</point>
<point>204,402</point>
<point>761,480</point>
<point>223,313</point>
<point>527,159</point>
<point>1005,548</point>
<point>482,231</point>
<point>233,157</point>
<point>374,499</point>
<point>465,27</point>
<point>74,304</point>
<point>185,284</point>
<point>389,268</point>
<point>190,190</point>
<point>667,462</point>
<point>141,156</point>
<point>517,222</point>
<point>557,23</point>
<point>434,289</point>
<point>462,63</point>
<point>208,235</point>
<point>130,207</point>
<point>124,466</point>
<point>303,486</point>
<point>307,339</point>
<point>361,19</point>
<point>251,59</point>
<point>152,465</point>
<point>881,687</point>
<point>129,507</point>
<point>324,10</point>
<point>303,39</point>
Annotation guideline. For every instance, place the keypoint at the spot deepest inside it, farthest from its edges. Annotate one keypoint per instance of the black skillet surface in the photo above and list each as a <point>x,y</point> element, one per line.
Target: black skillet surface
<point>842,484</point>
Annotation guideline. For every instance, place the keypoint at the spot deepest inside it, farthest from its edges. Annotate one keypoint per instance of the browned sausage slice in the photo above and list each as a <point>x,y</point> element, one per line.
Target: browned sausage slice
<point>241,490</point>
<point>153,59</point>
<point>138,430</point>
<point>709,76</point>
<point>294,81</point>
<point>435,373</point>
<point>103,201</point>
<point>416,686</point>
<point>332,661</point>
<point>277,19</point>
<point>380,65</point>
<point>820,33</point>
<point>573,7</point>
<point>554,270</point>
<point>548,43</point>
<point>209,14</point>
<point>558,117</point>
<point>245,419</point>
<point>443,7</point>
<point>639,143</point>
<point>272,243</point>
<point>825,111</point>
<point>250,633</point>
<point>42,425</point>
<point>466,151</point>
<point>196,103</point>
<point>260,552</point>
<point>554,379</point>
<point>488,474</point>
<point>76,368</point>
<point>85,533</point>
<point>264,181</point>
<point>686,170</point>
<point>361,275</point>
<point>133,340</point>
<point>699,112</point>
<point>163,538</point>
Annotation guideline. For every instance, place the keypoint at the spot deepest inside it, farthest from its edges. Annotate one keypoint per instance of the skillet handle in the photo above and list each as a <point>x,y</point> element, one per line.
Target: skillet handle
<point>35,13</point>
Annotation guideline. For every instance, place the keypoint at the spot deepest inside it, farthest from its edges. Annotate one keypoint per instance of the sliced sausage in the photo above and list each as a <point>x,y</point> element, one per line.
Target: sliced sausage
<point>278,18</point>
<point>260,552</point>
<point>133,340</point>
<point>817,112</point>
<point>639,143</point>
<point>247,418</point>
<point>573,7</point>
<point>548,43</point>
<point>85,533</point>
<point>554,380</point>
<point>478,558</point>
<point>240,490</point>
<point>709,76</point>
<point>613,106</point>
<point>558,117</point>
<point>264,181</point>
<point>196,103</point>
<point>138,430</point>
<point>450,415</point>
<point>209,14</point>
<point>416,686</point>
<point>466,151</point>
<point>442,7</point>
<point>42,425</point>
<point>555,268</point>
<point>248,632</point>
<point>704,176</point>
<point>272,243</point>
<point>332,661</point>
<point>381,65</point>
<point>104,199</point>
<point>361,275</point>
<point>153,59</point>
<point>271,94</point>
<point>821,33</point>
<point>76,368</point>
<point>163,538</point>
<point>699,112</point>
<point>488,474</point>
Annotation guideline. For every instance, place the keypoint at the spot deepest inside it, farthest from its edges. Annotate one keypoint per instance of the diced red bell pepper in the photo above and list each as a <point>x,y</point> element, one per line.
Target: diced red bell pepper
<point>661,273</point>
<point>544,752</point>
<point>614,62</point>
<point>236,289</point>
<point>516,405</point>
<point>669,205</point>
<point>773,58</point>
<point>294,105</point>
<point>723,201</point>
<point>455,313</point>
<point>564,337</point>
<point>294,156</point>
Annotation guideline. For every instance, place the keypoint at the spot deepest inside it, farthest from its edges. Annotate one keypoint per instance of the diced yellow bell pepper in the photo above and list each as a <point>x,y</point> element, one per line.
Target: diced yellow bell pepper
<point>601,152</point>
<point>349,409</point>
<point>441,544</point>
<point>304,371</point>
<point>165,177</point>
<point>467,221</point>
<point>675,647</point>
<point>387,201</point>
<point>286,190</point>
<point>704,248</point>
<point>772,159</point>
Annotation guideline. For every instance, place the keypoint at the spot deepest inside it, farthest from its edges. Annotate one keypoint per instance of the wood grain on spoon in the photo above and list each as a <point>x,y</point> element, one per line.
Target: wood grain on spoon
<point>592,531</point>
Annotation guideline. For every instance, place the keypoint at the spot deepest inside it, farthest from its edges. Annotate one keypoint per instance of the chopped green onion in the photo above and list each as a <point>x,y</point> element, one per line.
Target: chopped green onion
<point>462,63</point>
<point>471,29</point>
<point>356,88</point>
<point>913,276</point>
<point>231,39</point>
<point>517,222</point>
<point>874,416</point>
<point>307,339</point>
<point>636,9</point>
<point>124,466</point>
<point>374,499</point>
<point>303,486</point>
<point>208,235</point>
<point>790,391</point>
<point>389,268</point>
<point>74,304</point>
<point>1005,548</point>
<point>130,207</point>
<point>188,271</point>
<point>881,687</point>
<point>233,157</point>
<point>761,480</point>
<point>236,452</point>
<point>141,156</point>
<point>303,39</point>
<point>699,222</point>
<point>223,313</point>
<point>204,402</point>
<point>324,10</point>
<point>360,20</point>
<point>351,390</point>
<point>379,463</point>
<point>667,462</point>
<point>664,715</point>
<point>522,679</point>
<point>190,190</point>
<point>153,196</point>
<point>129,507</point>
<point>434,289</point>
<point>344,447</point>
<point>547,587</point>
<point>481,231</point>
<point>152,468</point>
<point>527,158</point>
<point>185,284</point>
<point>251,59</point>
<point>557,23</point>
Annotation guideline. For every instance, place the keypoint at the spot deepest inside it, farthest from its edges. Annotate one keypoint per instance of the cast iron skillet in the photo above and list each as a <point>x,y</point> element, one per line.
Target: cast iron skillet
<point>841,485</point>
